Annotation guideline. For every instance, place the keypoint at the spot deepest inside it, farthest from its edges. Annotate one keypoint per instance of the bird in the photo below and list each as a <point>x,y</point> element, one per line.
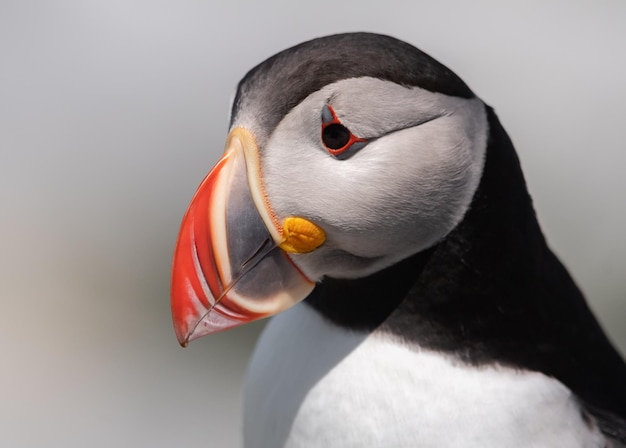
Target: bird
<point>376,207</point>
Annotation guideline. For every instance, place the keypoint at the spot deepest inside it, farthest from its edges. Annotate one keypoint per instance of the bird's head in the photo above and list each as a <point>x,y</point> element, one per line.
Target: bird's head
<point>345,155</point>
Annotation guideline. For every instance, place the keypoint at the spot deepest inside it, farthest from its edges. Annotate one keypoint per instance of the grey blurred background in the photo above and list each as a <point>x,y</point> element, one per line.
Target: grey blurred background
<point>112,112</point>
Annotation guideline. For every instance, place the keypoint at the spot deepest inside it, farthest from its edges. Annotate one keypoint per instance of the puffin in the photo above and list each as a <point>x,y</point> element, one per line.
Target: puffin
<point>375,206</point>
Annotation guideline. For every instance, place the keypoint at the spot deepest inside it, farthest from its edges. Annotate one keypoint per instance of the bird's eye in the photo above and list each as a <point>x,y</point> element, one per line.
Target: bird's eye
<point>337,138</point>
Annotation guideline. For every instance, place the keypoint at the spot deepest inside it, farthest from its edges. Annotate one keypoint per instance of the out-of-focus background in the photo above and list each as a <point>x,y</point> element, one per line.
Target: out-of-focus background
<point>111,112</point>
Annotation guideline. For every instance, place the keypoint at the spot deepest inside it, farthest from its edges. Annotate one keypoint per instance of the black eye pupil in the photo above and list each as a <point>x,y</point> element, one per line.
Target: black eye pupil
<point>335,136</point>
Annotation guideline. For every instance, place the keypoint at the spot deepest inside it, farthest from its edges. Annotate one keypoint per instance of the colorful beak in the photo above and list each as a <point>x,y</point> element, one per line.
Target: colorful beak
<point>230,263</point>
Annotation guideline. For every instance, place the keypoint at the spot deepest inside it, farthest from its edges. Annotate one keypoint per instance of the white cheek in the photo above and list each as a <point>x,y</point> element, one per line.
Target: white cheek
<point>405,192</point>
<point>400,194</point>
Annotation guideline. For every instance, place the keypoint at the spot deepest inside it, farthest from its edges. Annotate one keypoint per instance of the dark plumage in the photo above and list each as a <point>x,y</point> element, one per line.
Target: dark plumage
<point>301,70</point>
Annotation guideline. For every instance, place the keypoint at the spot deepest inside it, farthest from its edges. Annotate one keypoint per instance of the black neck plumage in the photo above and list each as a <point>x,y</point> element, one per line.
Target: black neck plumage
<point>490,292</point>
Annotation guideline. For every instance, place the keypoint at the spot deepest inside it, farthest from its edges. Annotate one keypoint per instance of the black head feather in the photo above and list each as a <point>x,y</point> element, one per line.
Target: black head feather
<point>281,82</point>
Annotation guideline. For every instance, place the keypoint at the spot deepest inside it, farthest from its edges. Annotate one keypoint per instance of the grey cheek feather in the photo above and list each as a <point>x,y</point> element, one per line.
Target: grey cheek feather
<point>400,194</point>
<point>372,107</point>
<point>231,101</point>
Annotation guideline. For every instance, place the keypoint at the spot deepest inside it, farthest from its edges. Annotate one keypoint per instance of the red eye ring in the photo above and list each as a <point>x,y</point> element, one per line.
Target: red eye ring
<point>335,136</point>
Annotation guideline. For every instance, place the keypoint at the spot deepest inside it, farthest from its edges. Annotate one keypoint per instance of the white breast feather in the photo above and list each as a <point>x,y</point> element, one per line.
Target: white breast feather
<point>313,384</point>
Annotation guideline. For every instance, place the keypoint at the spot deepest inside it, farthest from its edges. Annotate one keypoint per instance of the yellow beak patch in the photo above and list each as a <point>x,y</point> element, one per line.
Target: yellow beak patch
<point>301,235</point>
